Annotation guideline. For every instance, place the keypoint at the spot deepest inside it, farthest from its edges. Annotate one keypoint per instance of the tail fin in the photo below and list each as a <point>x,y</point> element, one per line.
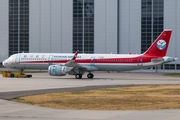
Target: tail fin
<point>160,45</point>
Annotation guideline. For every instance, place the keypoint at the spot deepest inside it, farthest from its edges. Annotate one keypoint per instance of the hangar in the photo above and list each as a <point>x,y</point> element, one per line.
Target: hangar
<point>91,26</point>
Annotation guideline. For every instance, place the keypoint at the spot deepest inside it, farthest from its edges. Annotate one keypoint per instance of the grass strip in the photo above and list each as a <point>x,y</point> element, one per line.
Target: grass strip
<point>128,98</point>
<point>173,74</point>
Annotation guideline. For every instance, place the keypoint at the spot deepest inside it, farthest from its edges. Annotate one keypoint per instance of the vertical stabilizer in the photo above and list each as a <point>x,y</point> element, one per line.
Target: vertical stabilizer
<point>160,45</point>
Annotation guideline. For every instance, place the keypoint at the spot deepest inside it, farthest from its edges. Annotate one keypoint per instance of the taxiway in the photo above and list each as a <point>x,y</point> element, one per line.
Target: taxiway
<point>43,83</point>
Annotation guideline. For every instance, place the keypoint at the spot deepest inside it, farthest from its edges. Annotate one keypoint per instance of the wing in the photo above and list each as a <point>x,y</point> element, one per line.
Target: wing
<point>72,63</point>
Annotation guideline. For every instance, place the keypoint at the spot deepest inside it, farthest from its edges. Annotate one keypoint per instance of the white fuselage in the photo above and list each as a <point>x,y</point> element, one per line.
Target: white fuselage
<point>102,62</point>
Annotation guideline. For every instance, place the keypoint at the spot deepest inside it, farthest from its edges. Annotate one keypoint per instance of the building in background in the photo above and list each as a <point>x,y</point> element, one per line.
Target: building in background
<point>18,26</point>
<point>91,26</point>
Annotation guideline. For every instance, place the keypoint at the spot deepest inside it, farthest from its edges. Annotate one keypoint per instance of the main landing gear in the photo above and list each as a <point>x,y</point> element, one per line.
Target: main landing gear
<point>79,76</point>
<point>90,75</point>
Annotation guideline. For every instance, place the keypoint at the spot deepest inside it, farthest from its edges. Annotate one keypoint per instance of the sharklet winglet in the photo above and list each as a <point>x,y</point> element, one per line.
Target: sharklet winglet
<point>75,55</point>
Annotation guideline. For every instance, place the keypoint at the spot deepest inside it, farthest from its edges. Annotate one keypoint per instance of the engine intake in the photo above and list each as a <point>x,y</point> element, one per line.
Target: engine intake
<point>56,70</point>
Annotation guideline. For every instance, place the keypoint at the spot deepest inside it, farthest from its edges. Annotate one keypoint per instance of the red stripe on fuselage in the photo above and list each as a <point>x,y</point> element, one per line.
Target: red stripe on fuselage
<point>143,58</point>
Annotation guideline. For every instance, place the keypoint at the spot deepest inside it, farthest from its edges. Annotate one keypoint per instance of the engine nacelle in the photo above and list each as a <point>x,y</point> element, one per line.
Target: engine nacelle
<point>56,70</point>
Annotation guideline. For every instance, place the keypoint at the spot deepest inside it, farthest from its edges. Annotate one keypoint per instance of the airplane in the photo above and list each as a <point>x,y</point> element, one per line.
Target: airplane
<point>77,64</point>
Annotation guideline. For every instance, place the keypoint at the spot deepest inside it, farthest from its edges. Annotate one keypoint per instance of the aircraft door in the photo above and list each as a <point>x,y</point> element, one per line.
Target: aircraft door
<point>50,59</point>
<point>17,60</point>
<point>140,60</point>
<point>92,61</point>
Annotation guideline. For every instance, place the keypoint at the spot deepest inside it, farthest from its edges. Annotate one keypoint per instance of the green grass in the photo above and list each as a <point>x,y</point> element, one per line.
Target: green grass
<point>173,74</point>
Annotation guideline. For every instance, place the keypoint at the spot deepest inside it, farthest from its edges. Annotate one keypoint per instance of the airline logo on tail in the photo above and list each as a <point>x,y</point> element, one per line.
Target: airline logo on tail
<point>161,44</point>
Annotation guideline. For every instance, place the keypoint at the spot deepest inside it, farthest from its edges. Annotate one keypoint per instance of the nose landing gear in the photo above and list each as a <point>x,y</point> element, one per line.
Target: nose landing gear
<point>21,72</point>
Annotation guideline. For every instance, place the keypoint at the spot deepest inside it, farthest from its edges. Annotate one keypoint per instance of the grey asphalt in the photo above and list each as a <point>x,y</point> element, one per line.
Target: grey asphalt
<point>43,83</point>
<point>10,95</point>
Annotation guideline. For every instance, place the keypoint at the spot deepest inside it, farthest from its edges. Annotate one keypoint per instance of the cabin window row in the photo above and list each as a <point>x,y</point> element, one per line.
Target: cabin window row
<point>33,58</point>
<point>114,60</point>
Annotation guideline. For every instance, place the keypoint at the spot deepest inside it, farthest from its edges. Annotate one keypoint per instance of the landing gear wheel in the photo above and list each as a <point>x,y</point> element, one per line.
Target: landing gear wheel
<point>78,76</point>
<point>28,76</point>
<point>22,72</point>
<point>12,75</point>
<point>90,75</point>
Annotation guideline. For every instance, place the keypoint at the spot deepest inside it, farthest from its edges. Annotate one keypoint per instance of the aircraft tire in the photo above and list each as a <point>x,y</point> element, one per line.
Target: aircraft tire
<point>12,75</point>
<point>78,76</point>
<point>28,76</point>
<point>90,75</point>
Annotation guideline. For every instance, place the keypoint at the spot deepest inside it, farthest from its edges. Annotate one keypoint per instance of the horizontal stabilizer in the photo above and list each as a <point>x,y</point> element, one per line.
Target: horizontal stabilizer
<point>157,60</point>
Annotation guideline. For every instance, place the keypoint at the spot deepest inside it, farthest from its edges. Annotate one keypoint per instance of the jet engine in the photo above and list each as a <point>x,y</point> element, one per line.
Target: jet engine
<point>56,70</point>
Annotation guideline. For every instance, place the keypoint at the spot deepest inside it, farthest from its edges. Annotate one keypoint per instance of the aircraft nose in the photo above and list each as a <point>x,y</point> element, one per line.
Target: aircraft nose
<point>4,63</point>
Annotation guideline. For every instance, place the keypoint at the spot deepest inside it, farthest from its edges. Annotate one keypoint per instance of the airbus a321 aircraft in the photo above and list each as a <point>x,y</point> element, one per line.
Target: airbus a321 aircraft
<point>77,64</point>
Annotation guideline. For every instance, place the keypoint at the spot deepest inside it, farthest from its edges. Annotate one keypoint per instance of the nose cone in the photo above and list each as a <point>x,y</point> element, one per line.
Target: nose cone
<point>4,63</point>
